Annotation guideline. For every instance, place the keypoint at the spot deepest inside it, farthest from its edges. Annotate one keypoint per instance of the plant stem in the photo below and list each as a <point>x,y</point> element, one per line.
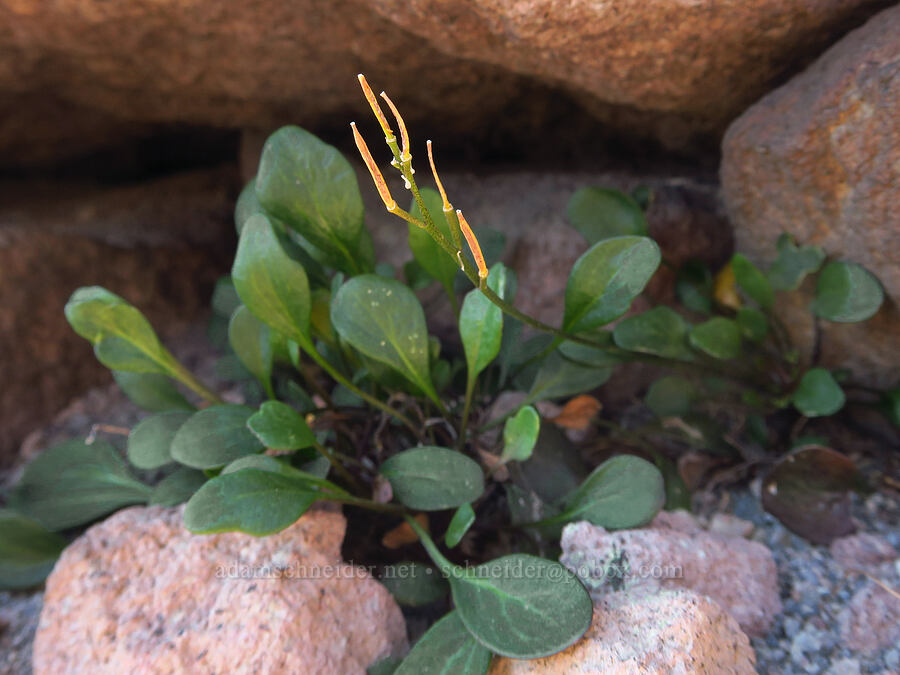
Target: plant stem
<point>188,379</point>
<point>443,564</point>
<point>310,349</point>
<point>340,468</point>
<point>467,407</point>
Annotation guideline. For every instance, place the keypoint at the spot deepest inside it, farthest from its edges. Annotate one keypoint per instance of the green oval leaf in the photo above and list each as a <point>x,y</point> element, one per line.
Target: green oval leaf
<point>383,319</point>
<point>431,478</point>
<point>272,285</point>
<point>414,584</point>
<point>719,337</point>
<point>752,281</point>
<point>520,434</point>
<point>178,487</point>
<point>311,187</point>
<point>150,439</point>
<point>601,213</point>
<point>250,500</point>
<point>73,483</point>
<point>280,427</point>
<point>462,520</point>
<point>214,437</point>
<point>659,331</point>
<point>847,293</point>
<point>522,606</point>
<point>818,394</point>
<point>625,491</point>
<point>151,391</point>
<point>606,279</point>
<point>251,341</point>
<point>481,324</point>
<point>28,551</point>
<point>793,264</point>
<point>447,648</point>
<point>558,377</point>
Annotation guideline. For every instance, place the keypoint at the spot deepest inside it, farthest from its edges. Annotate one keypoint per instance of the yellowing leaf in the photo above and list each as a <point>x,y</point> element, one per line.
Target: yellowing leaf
<point>577,413</point>
<point>403,534</point>
<point>725,288</point>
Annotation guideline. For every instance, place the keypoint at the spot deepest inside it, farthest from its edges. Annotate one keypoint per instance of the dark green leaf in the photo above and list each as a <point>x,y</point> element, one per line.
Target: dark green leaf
<point>520,434</point>
<point>818,394</point>
<point>272,285</point>
<point>558,377</point>
<point>225,298</point>
<point>446,649</point>
<point>606,279</point>
<point>554,469</point>
<point>593,357</point>
<point>280,427</point>
<point>846,293</point>
<point>522,606</point>
<point>694,287</point>
<point>481,324</point>
<point>462,520</point>
<point>414,584</point>
<point>600,213</point>
<point>251,341</point>
<point>431,478</point>
<point>659,331</point>
<point>677,494</point>
<point>310,186</point>
<point>28,551</point>
<point>250,500</point>
<point>752,281</point>
<point>671,396</point>
<point>753,324</point>
<point>426,251</point>
<point>383,319</point>
<point>719,337</point>
<point>72,484</point>
<point>150,439</point>
<point>177,487</point>
<point>793,264</point>
<point>625,491</point>
<point>214,437</point>
<point>151,391</point>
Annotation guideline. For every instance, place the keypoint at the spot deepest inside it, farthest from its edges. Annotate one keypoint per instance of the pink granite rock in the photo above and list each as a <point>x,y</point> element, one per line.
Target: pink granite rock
<point>871,620</point>
<point>673,552</point>
<point>863,551</point>
<point>140,594</point>
<point>653,634</point>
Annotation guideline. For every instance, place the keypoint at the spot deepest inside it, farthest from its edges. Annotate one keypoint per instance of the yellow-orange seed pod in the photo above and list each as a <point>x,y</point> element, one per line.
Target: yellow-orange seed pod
<point>373,102</point>
<point>473,245</point>
<point>440,186</point>
<point>374,171</point>
<point>405,155</point>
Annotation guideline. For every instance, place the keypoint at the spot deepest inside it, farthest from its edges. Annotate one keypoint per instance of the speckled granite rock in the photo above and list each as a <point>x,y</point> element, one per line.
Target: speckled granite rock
<point>672,553</point>
<point>18,621</point>
<point>139,594</point>
<point>820,158</point>
<point>871,621</point>
<point>649,634</point>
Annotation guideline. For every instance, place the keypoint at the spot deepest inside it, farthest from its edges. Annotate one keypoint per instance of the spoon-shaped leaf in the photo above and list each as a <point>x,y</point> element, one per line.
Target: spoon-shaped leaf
<point>446,649</point>
<point>280,427</point>
<point>719,337</point>
<point>430,478</point>
<point>271,284</point>
<point>793,263</point>
<point>251,341</point>
<point>600,213</point>
<point>481,324</point>
<point>151,438</point>
<point>522,606</point>
<point>520,434</point>
<point>752,281</point>
<point>462,520</point>
<point>846,293</point>
<point>214,437</point>
<point>659,331</point>
<point>383,319</point>
<point>818,394</point>
<point>28,550</point>
<point>151,391</point>
<point>605,280</point>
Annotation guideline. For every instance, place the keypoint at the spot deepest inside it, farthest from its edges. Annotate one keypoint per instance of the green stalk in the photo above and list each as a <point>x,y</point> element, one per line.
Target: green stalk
<point>310,349</point>
<point>187,378</point>
<point>340,468</point>
<point>467,407</point>
<point>447,567</point>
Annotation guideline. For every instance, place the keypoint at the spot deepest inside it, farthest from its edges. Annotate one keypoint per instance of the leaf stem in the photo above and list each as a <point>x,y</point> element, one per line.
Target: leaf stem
<point>340,468</point>
<point>188,379</point>
<point>447,567</point>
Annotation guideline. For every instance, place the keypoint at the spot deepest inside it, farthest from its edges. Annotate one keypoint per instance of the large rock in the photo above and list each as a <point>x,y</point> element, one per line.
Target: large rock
<point>820,158</point>
<point>140,594</point>
<point>76,73</point>
<point>160,245</point>
<point>674,552</point>
<point>678,67</point>
<point>652,634</point>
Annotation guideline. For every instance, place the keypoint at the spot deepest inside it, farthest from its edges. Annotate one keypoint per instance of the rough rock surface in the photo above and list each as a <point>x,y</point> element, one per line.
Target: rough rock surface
<point>738,574</point>
<point>863,551</point>
<point>160,245</point>
<point>18,621</point>
<point>820,158</point>
<point>139,594</point>
<point>871,621</point>
<point>649,634</point>
<point>75,73</point>
<point>690,65</point>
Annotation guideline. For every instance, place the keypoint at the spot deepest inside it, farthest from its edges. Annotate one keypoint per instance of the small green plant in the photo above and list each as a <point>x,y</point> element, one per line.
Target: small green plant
<point>356,403</point>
